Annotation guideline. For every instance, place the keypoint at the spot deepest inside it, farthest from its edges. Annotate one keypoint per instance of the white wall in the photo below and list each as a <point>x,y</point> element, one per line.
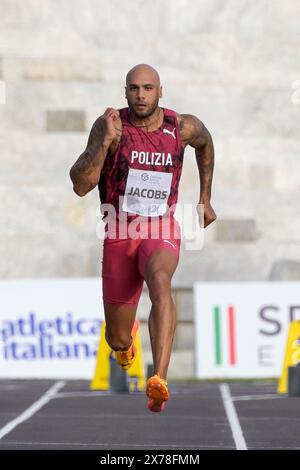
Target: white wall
<point>232,63</point>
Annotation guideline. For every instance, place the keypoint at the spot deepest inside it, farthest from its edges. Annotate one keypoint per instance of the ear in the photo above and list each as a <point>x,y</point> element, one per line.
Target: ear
<point>125,87</point>
<point>160,91</point>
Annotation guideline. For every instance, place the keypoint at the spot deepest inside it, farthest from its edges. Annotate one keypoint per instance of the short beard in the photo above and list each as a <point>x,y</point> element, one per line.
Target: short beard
<point>144,114</point>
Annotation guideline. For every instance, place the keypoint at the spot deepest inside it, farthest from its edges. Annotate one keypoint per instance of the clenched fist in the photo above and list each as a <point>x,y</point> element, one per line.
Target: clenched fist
<point>108,118</point>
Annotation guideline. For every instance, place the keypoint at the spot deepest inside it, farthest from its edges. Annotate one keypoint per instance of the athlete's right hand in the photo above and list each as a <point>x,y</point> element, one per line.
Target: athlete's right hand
<point>109,117</point>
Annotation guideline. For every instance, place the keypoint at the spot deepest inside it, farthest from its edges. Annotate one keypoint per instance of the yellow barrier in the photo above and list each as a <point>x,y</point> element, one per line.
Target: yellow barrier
<point>292,355</point>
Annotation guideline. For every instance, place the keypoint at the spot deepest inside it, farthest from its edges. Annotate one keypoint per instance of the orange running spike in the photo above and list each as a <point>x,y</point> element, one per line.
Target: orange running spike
<point>157,392</point>
<point>125,358</point>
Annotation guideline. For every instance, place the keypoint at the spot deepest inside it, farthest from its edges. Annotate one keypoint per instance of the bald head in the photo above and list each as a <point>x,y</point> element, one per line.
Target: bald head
<point>143,90</point>
<point>141,71</point>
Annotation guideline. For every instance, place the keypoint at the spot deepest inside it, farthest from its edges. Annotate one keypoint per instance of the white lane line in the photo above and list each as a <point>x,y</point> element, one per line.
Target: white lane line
<point>129,445</point>
<point>27,414</point>
<point>232,416</point>
<point>104,393</point>
<point>256,397</point>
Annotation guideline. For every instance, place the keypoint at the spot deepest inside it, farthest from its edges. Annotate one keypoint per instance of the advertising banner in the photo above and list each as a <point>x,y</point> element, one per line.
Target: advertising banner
<point>241,328</point>
<point>50,328</point>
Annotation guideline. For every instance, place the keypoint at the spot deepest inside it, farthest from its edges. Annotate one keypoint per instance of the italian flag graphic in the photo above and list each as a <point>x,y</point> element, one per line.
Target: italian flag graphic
<point>224,318</point>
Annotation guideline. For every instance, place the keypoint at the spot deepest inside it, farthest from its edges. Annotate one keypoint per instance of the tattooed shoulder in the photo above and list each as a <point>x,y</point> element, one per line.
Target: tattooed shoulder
<point>192,130</point>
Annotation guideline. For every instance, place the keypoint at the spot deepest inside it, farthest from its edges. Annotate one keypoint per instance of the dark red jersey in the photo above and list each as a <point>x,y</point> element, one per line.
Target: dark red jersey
<point>141,178</point>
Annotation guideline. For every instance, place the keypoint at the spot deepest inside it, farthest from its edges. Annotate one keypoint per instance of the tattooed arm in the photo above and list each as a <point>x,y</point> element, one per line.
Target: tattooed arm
<point>194,133</point>
<point>104,137</point>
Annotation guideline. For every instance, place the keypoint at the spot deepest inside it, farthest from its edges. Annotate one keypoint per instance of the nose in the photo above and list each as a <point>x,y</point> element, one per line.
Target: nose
<point>140,93</point>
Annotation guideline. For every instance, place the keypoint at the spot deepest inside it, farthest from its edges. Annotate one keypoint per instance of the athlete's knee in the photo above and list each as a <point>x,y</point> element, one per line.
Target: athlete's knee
<point>117,340</point>
<point>159,284</point>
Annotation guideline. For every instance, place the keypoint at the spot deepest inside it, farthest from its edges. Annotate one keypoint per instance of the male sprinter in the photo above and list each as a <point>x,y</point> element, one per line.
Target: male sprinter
<point>135,157</point>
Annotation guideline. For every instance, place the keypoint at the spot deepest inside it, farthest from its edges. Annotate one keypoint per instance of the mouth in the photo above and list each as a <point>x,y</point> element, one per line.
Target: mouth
<point>141,105</point>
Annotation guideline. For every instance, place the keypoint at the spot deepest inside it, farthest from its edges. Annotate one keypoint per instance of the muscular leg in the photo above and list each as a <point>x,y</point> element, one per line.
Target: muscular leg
<point>119,322</point>
<point>160,268</point>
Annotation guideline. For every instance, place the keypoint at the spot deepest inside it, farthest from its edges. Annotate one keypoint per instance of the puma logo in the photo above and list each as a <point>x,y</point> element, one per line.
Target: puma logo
<point>167,241</point>
<point>172,133</point>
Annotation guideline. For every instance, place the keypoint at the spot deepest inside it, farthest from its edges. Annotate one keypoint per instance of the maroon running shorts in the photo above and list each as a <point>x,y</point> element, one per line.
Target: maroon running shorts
<point>125,259</point>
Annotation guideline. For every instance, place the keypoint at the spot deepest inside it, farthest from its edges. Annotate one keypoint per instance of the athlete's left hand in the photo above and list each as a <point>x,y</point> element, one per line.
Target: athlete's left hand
<point>206,213</point>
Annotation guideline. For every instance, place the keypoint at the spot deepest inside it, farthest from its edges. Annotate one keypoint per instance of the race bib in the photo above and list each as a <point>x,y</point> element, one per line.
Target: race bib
<point>147,192</point>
